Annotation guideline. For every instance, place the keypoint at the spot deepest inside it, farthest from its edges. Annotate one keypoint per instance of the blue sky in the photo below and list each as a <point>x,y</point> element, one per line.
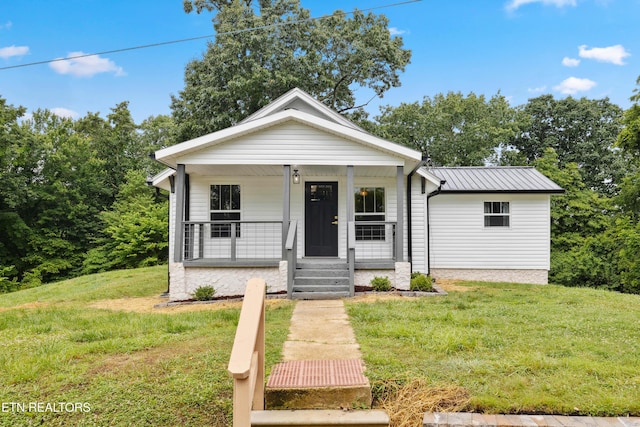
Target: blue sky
<point>522,48</point>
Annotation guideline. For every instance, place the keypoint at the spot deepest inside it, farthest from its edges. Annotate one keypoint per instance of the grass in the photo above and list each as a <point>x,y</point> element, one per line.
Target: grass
<point>505,348</point>
<point>132,368</point>
<point>514,348</point>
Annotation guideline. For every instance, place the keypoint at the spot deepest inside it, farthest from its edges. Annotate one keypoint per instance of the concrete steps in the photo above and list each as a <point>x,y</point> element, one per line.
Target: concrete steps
<point>321,280</point>
<point>318,384</point>
<point>320,418</point>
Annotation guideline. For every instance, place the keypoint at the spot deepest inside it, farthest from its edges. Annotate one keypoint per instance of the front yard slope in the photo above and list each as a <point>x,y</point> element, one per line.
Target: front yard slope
<point>514,348</point>
<point>128,364</point>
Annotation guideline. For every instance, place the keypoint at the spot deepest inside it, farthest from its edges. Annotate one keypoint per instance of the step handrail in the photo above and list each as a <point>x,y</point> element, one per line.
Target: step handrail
<point>291,248</point>
<point>246,364</point>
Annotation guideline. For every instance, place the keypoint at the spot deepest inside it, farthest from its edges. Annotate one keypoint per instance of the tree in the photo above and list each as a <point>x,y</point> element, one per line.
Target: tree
<point>14,233</point>
<point>582,248</point>
<point>451,129</point>
<point>580,131</point>
<point>156,132</point>
<point>135,229</point>
<point>62,198</point>
<point>265,48</point>
<point>629,137</point>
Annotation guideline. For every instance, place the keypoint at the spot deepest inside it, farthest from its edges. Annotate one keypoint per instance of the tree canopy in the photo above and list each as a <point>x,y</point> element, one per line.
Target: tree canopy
<point>451,129</point>
<point>581,131</point>
<point>263,49</point>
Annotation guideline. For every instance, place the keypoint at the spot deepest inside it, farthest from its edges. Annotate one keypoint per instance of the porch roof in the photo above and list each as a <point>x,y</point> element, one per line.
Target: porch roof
<point>386,152</point>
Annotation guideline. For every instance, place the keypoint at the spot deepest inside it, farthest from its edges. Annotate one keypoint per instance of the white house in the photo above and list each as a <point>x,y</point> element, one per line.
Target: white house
<point>315,205</point>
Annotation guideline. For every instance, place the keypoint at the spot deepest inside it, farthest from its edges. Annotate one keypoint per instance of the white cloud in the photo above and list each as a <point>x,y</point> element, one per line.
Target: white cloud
<point>9,51</point>
<point>85,66</point>
<point>573,85</point>
<point>515,4</point>
<point>6,26</point>
<point>537,89</point>
<point>570,62</point>
<point>613,54</point>
<point>64,112</point>
<point>396,32</point>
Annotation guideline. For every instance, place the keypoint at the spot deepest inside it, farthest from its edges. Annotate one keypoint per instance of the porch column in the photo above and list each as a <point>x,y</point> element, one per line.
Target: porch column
<point>400,213</point>
<point>351,230</point>
<point>351,208</point>
<point>178,250</point>
<point>286,206</point>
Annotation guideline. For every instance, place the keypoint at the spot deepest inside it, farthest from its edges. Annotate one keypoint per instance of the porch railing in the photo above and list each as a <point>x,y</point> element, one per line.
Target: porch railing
<point>232,240</point>
<point>375,240</point>
<point>263,240</point>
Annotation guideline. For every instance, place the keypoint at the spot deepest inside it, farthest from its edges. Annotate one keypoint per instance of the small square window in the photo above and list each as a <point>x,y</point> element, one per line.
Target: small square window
<point>496,214</point>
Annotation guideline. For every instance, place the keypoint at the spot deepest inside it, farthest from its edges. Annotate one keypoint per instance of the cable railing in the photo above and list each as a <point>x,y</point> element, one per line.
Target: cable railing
<point>232,240</point>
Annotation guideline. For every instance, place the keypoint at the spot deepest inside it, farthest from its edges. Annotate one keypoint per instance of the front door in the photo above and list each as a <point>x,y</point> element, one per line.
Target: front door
<point>321,219</point>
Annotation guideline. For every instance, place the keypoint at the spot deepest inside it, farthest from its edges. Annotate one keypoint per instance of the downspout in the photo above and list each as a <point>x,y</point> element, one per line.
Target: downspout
<point>430,195</point>
<point>409,233</point>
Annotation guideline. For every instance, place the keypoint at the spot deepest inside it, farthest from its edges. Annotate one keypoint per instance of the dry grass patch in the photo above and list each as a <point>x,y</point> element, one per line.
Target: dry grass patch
<point>406,404</point>
<point>451,285</point>
<point>29,305</point>
<point>147,305</point>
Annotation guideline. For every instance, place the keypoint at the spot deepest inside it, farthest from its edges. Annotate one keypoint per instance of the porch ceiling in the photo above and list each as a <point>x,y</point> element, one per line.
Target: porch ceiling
<point>275,170</point>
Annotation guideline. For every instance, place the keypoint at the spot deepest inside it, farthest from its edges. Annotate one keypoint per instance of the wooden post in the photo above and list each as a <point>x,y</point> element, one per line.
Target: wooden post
<point>246,364</point>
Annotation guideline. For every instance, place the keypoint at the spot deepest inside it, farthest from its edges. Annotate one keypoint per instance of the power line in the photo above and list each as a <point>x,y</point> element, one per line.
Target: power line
<point>228,33</point>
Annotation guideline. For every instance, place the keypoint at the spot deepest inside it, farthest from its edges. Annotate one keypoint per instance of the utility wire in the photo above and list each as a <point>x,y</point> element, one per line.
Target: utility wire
<point>228,33</point>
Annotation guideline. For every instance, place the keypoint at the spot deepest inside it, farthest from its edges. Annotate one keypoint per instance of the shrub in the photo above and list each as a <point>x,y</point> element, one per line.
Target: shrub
<point>421,282</point>
<point>381,284</point>
<point>204,293</point>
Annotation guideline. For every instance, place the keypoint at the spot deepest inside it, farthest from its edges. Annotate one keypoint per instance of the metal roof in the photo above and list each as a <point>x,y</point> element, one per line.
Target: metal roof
<point>505,179</point>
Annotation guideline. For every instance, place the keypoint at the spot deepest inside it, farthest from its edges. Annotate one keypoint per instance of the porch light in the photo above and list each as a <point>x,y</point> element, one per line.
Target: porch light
<point>296,176</point>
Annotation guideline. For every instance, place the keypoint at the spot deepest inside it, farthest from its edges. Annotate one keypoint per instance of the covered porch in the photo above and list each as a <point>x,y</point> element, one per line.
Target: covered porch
<point>289,217</point>
<point>293,182</point>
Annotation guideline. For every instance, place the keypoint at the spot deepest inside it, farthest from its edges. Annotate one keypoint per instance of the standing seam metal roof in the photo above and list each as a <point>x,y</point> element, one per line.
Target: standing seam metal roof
<point>510,179</point>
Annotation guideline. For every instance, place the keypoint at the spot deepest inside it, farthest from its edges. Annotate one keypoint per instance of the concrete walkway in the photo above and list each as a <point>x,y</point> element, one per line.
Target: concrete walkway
<point>320,330</point>
<point>323,367</point>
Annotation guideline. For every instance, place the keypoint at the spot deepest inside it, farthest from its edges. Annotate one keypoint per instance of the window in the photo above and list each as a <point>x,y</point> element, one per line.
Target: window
<point>369,203</point>
<point>225,206</point>
<point>496,214</point>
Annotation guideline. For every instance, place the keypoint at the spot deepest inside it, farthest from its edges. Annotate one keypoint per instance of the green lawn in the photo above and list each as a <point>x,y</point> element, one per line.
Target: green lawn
<point>514,348</point>
<point>131,368</point>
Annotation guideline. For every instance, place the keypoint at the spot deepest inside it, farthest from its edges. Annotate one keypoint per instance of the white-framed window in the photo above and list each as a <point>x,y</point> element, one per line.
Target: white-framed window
<point>496,214</point>
<point>370,207</point>
<point>225,206</point>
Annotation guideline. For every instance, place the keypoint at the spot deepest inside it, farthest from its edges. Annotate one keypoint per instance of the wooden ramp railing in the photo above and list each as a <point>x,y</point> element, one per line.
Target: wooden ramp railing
<point>246,364</point>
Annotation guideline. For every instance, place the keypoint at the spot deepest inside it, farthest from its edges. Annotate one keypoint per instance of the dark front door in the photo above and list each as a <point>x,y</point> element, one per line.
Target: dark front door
<point>321,219</point>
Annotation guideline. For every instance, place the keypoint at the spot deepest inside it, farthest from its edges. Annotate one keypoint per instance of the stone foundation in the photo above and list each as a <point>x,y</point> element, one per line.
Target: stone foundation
<point>400,277</point>
<point>536,277</point>
<point>227,281</point>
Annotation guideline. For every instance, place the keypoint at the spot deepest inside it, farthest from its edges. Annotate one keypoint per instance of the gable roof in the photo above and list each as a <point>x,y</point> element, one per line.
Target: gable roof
<point>315,115</point>
<point>505,179</point>
<point>297,99</point>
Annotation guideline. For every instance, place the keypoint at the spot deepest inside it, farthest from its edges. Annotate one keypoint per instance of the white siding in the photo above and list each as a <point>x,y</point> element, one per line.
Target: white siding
<point>418,226</point>
<point>459,239</point>
<point>291,143</point>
